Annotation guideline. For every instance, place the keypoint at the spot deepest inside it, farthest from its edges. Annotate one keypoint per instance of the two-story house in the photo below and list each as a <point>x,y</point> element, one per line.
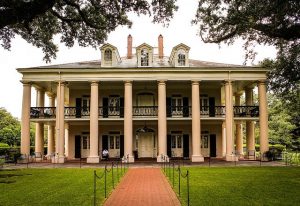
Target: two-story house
<point>144,105</point>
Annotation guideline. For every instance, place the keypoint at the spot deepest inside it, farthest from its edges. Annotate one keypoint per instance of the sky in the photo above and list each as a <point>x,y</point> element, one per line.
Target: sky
<point>180,30</point>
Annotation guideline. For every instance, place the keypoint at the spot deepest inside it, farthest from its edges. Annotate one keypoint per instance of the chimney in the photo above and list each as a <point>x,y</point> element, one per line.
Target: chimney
<point>160,46</point>
<point>129,46</point>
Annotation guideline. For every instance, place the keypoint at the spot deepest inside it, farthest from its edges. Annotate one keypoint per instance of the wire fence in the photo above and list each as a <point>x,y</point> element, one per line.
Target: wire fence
<point>115,169</point>
<point>176,176</point>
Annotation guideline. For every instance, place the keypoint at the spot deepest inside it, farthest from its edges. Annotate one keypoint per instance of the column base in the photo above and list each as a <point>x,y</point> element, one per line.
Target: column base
<point>59,159</point>
<point>159,159</point>
<point>197,158</point>
<point>231,158</point>
<point>92,159</point>
<point>130,159</point>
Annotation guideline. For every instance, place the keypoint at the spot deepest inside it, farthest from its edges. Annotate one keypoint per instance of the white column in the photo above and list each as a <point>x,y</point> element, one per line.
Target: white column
<point>196,125</point>
<point>51,128</point>
<point>60,123</point>
<point>67,140</point>
<point>128,120</point>
<point>25,119</point>
<point>94,156</point>
<point>39,127</point>
<point>162,120</point>
<point>263,117</point>
<point>229,121</point>
<point>250,134</point>
<point>223,139</point>
<point>239,129</point>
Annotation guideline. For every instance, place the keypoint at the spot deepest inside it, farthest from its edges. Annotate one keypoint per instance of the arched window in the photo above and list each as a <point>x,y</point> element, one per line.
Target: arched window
<point>181,57</point>
<point>108,55</point>
<point>144,57</point>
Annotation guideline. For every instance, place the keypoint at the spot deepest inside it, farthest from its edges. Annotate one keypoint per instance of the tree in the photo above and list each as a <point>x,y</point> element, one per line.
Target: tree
<point>86,21</point>
<point>269,22</point>
<point>280,124</point>
<point>10,128</point>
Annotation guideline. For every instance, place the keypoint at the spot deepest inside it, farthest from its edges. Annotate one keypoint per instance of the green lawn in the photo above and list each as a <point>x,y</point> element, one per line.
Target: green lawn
<point>241,186</point>
<point>52,186</point>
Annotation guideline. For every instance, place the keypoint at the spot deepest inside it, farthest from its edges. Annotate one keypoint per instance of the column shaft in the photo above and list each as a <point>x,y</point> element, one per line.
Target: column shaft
<point>51,129</point>
<point>60,124</point>
<point>25,119</point>
<point>229,121</point>
<point>94,156</point>
<point>250,135</point>
<point>162,120</point>
<point>223,139</point>
<point>239,130</point>
<point>128,120</point>
<point>263,117</point>
<point>39,127</point>
<point>196,125</point>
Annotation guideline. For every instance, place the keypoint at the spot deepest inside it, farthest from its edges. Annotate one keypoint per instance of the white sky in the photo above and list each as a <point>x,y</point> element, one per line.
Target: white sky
<point>180,30</point>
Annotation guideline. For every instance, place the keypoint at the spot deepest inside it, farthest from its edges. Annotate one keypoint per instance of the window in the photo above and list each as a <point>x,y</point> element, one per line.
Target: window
<point>204,105</point>
<point>177,105</point>
<point>111,142</point>
<point>114,142</point>
<point>85,104</point>
<point>114,105</point>
<point>176,141</point>
<point>108,55</point>
<point>144,57</point>
<point>85,142</point>
<point>204,141</point>
<point>181,57</point>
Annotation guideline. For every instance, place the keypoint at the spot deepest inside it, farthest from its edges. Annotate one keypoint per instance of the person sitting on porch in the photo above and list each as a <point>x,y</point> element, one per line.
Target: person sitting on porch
<point>105,154</point>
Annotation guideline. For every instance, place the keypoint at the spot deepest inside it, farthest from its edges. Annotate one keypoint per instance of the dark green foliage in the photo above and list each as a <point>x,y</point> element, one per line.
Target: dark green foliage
<point>87,22</point>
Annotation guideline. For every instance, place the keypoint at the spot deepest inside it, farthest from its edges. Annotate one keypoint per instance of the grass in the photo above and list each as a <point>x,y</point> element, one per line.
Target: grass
<point>52,186</point>
<point>241,186</point>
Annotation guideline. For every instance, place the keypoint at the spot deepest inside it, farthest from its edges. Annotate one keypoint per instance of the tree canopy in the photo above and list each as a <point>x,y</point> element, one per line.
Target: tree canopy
<point>86,21</point>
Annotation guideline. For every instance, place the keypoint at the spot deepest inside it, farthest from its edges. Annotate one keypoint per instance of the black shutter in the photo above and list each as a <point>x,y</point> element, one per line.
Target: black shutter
<point>105,106</point>
<point>169,151</point>
<point>121,106</point>
<point>104,142</point>
<point>185,110</point>
<point>186,146</point>
<point>77,146</point>
<point>121,146</point>
<point>213,145</point>
<point>212,110</point>
<point>78,107</point>
<point>169,106</point>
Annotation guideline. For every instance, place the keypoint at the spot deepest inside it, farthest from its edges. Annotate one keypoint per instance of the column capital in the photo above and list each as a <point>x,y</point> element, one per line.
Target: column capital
<point>228,81</point>
<point>194,81</point>
<point>238,94</point>
<point>127,81</point>
<point>62,82</point>
<point>26,82</point>
<point>51,94</point>
<point>262,82</point>
<point>94,83</point>
<point>161,81</point>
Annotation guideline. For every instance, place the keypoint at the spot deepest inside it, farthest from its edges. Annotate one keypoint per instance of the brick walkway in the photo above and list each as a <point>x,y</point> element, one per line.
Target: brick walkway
<point>143,187</point>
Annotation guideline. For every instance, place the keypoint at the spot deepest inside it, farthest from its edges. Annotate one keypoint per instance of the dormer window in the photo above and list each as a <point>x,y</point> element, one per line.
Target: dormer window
<point>144,57</point>
<point>181,57</point>
<point>108,55</point>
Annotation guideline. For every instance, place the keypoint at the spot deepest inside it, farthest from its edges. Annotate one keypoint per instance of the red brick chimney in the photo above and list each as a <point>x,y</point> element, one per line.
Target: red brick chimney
<point>129,46</point>
<point>160,46</point>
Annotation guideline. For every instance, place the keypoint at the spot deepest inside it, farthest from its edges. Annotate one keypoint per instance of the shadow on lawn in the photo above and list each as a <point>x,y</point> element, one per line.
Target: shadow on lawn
<point>4,178</point>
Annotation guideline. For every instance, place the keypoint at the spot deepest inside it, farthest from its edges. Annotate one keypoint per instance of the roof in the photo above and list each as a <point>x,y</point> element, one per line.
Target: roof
<point>132,63</point>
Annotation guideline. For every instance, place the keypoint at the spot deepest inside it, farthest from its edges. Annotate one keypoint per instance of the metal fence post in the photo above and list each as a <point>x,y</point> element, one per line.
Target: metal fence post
<point>94,187</point>
<point>112,174</point>
<point>179,180</point>
<point>105,182</point>
<point>188,186</point>
<point>173,174</point>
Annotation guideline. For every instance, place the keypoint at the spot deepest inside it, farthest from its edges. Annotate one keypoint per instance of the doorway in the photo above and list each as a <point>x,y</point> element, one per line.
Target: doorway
<point>146,144</point>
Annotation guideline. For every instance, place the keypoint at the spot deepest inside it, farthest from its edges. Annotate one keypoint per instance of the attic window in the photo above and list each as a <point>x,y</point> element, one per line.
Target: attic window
<point>144,57</point>
<point>181,57</point>
<point>108,55</point>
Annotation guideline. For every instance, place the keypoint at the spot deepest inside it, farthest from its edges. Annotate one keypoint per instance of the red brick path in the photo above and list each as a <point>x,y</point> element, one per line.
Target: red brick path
<point>143,187</point>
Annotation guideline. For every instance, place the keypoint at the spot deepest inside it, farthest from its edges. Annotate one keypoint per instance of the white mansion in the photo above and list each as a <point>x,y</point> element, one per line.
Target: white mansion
<point>144,105</point>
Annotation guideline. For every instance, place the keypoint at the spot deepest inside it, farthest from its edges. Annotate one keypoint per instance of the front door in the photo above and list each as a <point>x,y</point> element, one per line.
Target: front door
<point>77,146</point>
<point>176,145</point>
<point>212,147</point>
<point>145,145</point>
<point>114,145</point>
<point>205,145</point>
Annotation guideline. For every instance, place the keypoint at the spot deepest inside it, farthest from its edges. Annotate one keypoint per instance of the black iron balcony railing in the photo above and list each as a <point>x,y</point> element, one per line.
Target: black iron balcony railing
<point>139,111</point>
<point>246,111</point>
<point>144,111</point>
<point>42,112</point>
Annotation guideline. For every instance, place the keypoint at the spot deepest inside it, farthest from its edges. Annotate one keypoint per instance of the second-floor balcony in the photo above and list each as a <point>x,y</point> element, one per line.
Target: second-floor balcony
<point>143,111</point>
